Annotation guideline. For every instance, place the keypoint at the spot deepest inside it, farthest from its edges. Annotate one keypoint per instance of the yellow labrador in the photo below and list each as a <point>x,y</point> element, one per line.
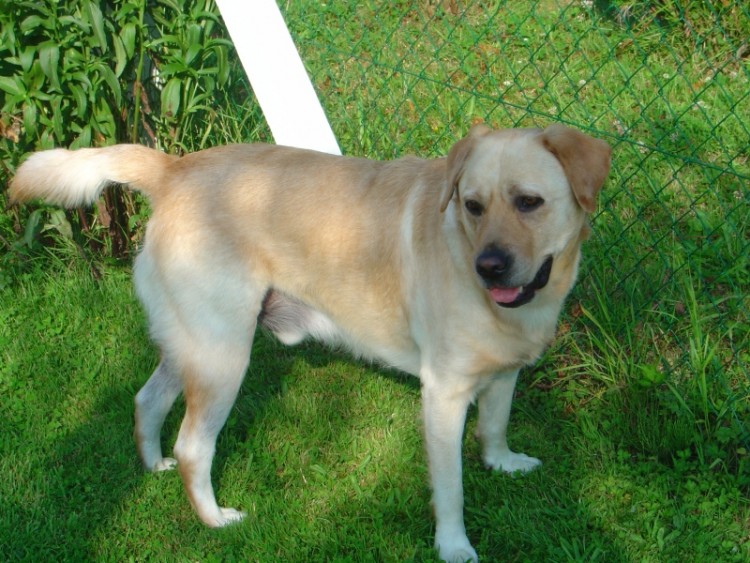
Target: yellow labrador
<point>453,269</point>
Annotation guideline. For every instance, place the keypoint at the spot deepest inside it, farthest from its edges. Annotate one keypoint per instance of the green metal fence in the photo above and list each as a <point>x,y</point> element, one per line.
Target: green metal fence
<point>662,303</point>
<point>667,83</point>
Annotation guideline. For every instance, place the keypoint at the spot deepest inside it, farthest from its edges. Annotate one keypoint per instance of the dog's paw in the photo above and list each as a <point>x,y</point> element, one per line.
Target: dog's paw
<point>225,517</point>
<point>164,464</point>
<point>511,462</point>
<point>457,551</point>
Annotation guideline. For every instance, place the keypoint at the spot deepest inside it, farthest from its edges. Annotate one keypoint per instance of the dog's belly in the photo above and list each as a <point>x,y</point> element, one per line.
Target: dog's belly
<point>292,320</point>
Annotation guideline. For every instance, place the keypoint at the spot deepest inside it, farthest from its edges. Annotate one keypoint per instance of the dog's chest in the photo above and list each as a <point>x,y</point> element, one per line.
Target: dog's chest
<point>492,343</point>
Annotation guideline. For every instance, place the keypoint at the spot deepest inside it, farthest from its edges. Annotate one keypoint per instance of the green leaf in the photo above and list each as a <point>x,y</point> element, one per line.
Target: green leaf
<point>29,117</point>
<point>114,85</point>
<point>96,19</point>
<point>81,100</point>
<point>49,59</point>
<point>164,40</point>
<point>32,228</point>
<point>109,77</point>
<point>193,34</point>
<point>26,58</point>
<point>46,140</point>
<point>222,74</point>
<point>72,20</point>
<point>125,10</point>
<point>81,77</point>
<point>192,52</point>
<point>170,69</point>
<point>12,85</point>
<point>59,223</point>
<point>127,36</point>
<point>170,97</point>
<point>83,139</point>
<point>56,115</point>
<point>31,23</point>
<point>120,55</point>
<point>650,376</point>
<point>104,120</point>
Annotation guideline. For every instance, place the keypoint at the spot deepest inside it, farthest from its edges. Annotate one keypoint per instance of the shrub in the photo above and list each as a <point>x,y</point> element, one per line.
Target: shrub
<point>78,73</point>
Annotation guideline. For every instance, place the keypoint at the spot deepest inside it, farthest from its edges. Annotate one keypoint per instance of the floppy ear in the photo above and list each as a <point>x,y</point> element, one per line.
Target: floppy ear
<point>584,159</point>
<point>456,159</point>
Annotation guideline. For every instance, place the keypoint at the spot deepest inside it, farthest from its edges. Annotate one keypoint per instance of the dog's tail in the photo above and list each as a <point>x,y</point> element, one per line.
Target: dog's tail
<point>72,178</point>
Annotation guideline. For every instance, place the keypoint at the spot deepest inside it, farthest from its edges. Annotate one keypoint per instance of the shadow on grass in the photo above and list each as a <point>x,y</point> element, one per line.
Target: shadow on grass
<point>318,499</point>
<point>72,487</point>
<point>324,454</point>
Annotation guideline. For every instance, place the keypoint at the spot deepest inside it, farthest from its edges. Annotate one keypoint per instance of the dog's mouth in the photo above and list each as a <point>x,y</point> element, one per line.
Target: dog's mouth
<point>512,297</point>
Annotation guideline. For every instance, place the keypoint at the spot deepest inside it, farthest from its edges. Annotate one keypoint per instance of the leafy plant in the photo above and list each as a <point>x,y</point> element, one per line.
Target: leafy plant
<point>85,73</point>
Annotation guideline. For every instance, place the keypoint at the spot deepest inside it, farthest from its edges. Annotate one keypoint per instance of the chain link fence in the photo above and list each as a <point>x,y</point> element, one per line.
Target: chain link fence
<point>662,302</point>
<point>665,82</point>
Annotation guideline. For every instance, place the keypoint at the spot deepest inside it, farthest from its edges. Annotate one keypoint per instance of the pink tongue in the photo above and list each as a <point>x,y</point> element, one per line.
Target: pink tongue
<point>505,295</point>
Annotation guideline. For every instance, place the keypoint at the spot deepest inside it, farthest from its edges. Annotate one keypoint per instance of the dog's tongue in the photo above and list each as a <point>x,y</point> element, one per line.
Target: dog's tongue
<point>505,294</point>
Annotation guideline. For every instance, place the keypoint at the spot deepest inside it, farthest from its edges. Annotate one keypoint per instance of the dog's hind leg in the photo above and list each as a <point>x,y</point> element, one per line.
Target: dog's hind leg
<point>152,403</point>
<point>212,372</point>
<point>203,310</point>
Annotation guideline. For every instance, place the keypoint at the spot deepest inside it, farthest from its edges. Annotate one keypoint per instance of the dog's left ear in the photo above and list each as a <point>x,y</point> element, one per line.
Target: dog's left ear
<point>456,160</point>
<point>584,159</point>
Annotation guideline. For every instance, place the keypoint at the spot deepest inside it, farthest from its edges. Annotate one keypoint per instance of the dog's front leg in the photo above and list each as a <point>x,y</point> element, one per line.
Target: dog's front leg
<point>444,414</point>
<point>494,413</point>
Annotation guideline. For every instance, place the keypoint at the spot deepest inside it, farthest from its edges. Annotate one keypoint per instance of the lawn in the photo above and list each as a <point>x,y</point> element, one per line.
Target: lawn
<point>324,453</point>
<point>638,411</point>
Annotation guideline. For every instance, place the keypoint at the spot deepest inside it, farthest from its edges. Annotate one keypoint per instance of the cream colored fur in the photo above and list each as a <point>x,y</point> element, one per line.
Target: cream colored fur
<point>381,257</point>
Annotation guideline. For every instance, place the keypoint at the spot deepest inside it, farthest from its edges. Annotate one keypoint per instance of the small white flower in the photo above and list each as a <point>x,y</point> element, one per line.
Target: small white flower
<point>582,82</point>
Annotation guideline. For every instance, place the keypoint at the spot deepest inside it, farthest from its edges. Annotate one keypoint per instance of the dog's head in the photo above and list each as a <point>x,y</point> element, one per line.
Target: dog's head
<point>521,198</point>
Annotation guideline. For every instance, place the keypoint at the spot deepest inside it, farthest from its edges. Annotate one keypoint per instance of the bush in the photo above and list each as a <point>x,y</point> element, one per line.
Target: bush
<point>84,73</point>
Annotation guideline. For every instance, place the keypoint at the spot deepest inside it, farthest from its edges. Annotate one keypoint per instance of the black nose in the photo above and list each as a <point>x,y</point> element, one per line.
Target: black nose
<point>493,264</point>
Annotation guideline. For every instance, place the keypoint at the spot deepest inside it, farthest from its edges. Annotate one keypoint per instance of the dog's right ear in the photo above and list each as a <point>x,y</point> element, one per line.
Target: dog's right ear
<point>456,160</point>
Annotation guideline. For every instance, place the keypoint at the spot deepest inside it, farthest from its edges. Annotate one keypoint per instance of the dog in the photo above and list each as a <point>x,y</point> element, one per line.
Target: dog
<point>452,269</point>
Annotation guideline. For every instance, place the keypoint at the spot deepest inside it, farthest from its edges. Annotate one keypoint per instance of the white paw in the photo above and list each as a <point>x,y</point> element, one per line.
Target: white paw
<point>511,462</point>
<point>456,550</point>
<point>226,517</point>
<point>164,464</point>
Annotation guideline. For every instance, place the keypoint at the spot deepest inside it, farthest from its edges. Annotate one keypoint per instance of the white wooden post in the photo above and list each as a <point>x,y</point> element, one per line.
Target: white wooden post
<point>277,75</point>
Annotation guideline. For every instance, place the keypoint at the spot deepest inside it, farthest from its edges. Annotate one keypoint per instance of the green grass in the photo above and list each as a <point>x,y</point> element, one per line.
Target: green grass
<point>639,411</point>
<point>325,455</point>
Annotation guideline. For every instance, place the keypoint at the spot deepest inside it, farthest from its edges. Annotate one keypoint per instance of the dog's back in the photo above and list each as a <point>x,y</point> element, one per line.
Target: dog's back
<point>261,214</point>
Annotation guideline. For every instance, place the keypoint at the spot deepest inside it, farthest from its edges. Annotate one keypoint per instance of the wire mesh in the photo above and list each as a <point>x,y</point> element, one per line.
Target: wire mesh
<point>667,83</point>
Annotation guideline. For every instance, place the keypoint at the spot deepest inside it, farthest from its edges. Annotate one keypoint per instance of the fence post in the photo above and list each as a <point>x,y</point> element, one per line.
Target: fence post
<point>277,75</point>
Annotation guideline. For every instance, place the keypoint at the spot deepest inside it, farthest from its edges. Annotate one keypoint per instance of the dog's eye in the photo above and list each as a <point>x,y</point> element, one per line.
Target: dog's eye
<point>474,207</point>
<point>526,203</point>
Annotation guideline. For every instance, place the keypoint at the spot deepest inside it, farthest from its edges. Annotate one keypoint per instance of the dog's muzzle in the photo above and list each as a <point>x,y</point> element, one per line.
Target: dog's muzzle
<point>494,266</point>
